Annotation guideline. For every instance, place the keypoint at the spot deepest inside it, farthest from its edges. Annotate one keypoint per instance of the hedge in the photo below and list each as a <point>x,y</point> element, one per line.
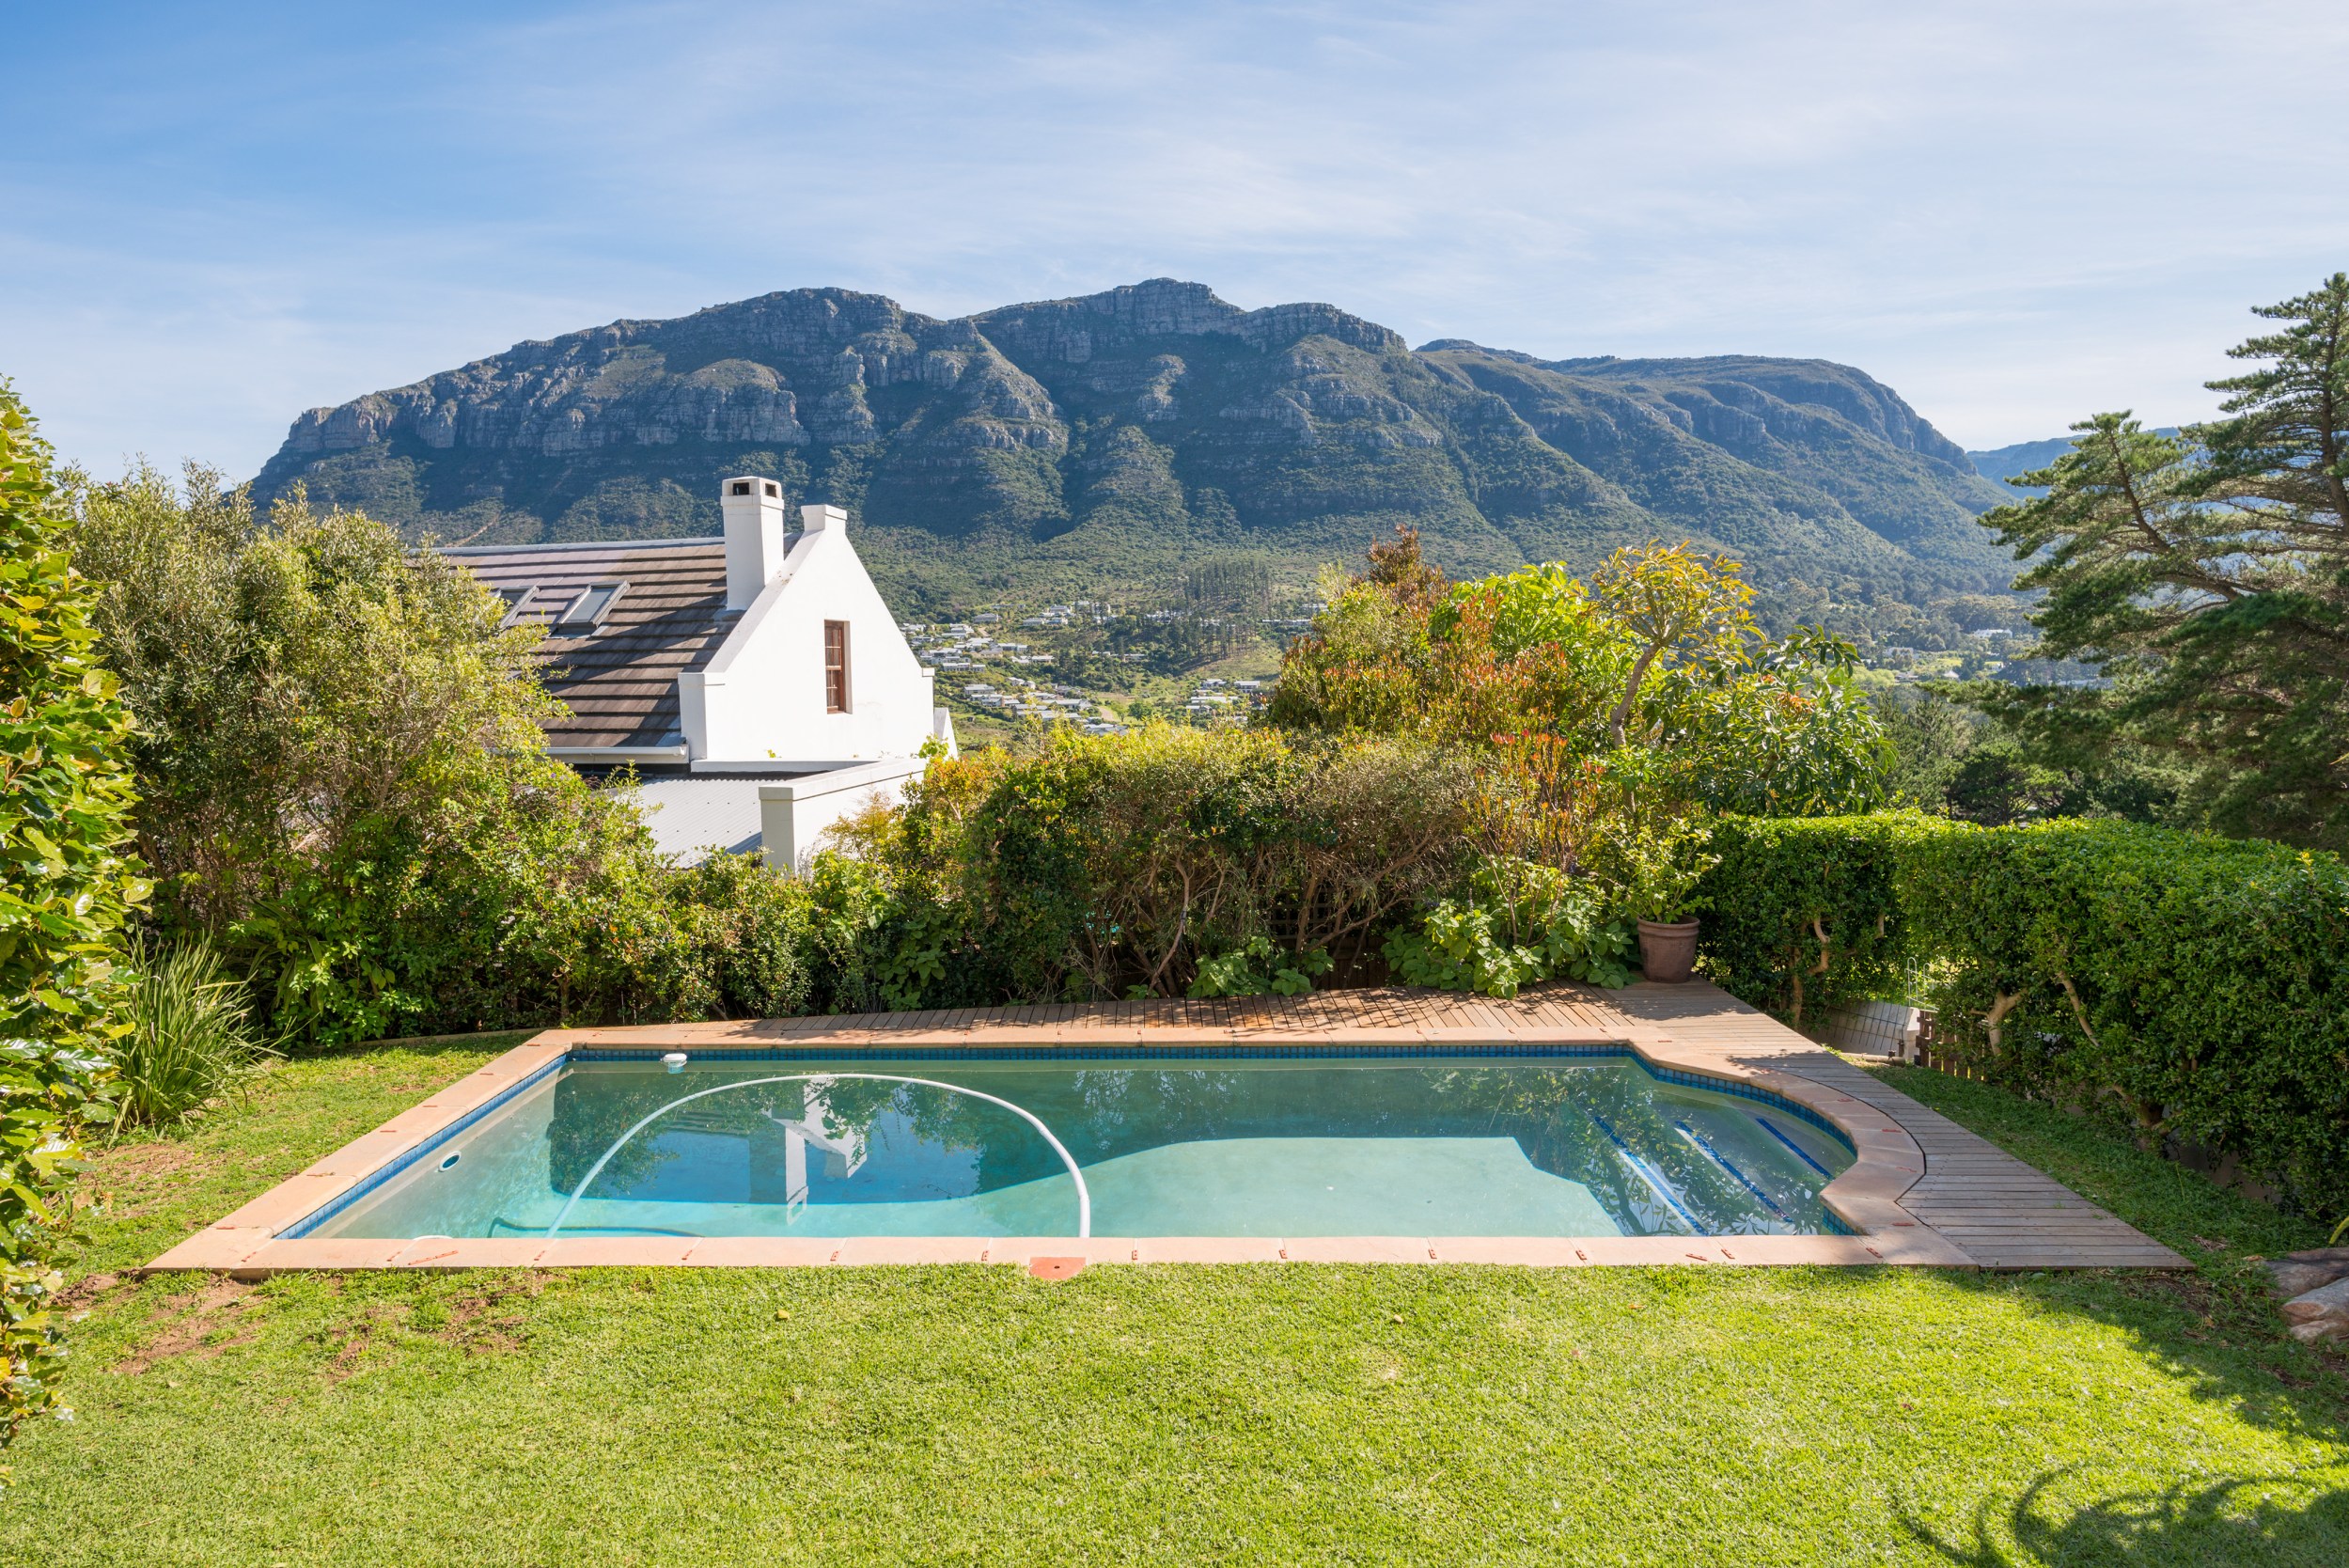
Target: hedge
<point>2196,985</point>
<point>65,890</point>
<point>1803,913</point>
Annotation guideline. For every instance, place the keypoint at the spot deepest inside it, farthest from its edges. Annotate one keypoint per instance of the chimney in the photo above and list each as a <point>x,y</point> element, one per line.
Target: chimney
<point>815,519</point>
<point>753,536</point>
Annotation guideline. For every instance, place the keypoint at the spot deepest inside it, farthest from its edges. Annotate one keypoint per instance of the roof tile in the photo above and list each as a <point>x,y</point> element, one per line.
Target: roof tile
<point>619,682</point>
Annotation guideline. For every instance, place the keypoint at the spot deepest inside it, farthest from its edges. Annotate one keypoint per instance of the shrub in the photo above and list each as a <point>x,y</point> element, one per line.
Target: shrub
<point>2197,985</point>
<point>1805,913</point>
<point>189,1042</point>
<point>66,887</point>
<point>1127,865</point>
<point>1260,970</point>
<point>1517,923</point>
<point>2200,983</point>
<point>753,929</point>
<point>1653,665</point>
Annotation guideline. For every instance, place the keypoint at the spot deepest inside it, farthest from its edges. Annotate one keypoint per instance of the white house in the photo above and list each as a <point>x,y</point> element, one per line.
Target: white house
<point>756,681</point>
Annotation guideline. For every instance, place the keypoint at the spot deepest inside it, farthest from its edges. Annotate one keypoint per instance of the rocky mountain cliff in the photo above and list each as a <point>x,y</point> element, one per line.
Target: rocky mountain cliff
<point>1111,440</point>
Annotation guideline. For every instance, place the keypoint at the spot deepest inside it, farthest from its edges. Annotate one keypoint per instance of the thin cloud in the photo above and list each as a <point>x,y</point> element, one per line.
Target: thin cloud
<point>2013,214</point>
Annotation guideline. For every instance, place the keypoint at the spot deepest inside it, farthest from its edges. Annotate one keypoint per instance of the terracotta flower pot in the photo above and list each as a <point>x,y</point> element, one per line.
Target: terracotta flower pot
<point>1667,952</point>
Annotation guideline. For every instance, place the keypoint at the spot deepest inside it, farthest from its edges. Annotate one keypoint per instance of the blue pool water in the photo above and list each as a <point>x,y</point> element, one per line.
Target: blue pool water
<point>1268,1146</point>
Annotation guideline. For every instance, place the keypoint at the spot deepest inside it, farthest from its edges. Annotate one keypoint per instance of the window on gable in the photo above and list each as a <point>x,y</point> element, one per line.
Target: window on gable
<point>836,666</point>
<point>587,612</point>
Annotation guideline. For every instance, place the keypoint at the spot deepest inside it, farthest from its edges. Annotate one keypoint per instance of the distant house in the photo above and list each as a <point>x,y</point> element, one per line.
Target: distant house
<point>756,681</point>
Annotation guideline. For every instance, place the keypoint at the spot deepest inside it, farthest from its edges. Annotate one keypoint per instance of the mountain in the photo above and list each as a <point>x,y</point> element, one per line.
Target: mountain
<point>2003,463</point>
<point>1111,441</point>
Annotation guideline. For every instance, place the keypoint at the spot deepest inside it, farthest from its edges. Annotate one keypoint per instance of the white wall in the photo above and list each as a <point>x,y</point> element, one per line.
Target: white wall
<point>795,814</point>
<point>761,697</point>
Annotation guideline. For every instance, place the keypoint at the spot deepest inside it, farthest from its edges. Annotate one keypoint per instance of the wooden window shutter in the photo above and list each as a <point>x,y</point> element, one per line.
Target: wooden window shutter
<point>836,666</point>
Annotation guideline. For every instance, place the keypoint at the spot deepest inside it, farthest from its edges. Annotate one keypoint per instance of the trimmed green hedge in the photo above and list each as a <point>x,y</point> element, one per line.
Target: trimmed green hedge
<point>1803,913</point>
<point>66,887</point>
<point>2197,985</point>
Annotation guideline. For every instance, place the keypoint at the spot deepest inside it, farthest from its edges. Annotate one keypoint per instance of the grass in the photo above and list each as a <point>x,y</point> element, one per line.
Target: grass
<point>1181,1414</point>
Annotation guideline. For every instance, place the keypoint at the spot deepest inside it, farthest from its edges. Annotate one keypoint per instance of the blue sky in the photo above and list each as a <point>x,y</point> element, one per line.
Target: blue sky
<point>214,216</point>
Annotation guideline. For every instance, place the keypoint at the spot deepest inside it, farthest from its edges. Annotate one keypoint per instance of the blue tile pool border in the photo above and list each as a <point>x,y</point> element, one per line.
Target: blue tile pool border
<point>585,1056</point>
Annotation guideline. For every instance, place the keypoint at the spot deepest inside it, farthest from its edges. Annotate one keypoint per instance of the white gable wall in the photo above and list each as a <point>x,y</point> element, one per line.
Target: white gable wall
<point>761,696</point>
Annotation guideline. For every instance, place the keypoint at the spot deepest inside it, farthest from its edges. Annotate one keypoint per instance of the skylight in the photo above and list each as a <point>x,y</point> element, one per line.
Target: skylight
<point>517,600</point>
<point>588,611</point>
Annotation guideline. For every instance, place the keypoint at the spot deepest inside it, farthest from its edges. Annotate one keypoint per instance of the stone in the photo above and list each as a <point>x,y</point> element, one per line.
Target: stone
<point>2337,1256</point>
<point>2298,1273</point>
<point>2320,1314</point>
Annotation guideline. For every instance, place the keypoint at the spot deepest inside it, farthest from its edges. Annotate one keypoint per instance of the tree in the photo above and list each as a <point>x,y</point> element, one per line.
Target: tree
<point>1656,656</point>
<point>1605,722</point>
<point>66,887</point>
<point>1954,760</point>
<point>2207,575</point>
<point>345,783</point>
<point>1672,600</point>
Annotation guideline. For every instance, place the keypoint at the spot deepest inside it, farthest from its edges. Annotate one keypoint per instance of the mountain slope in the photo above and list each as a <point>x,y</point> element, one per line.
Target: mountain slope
<point>1107,441</point>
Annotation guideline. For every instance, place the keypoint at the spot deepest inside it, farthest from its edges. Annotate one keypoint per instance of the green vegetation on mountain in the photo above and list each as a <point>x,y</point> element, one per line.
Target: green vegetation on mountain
<point>1102,446</point>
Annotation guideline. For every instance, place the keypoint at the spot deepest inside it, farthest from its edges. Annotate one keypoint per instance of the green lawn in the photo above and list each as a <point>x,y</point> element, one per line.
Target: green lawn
<point>1290,1413</point>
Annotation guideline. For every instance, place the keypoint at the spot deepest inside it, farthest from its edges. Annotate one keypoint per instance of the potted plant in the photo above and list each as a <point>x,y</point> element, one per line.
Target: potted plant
<point>1661,869</point>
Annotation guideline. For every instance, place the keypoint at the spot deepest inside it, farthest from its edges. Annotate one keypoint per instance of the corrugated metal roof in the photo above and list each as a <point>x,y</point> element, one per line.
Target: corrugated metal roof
<point>620,680</point>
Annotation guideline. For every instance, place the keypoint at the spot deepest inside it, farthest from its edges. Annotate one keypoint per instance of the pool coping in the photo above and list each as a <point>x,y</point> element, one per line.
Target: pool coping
<point>250,1243</point>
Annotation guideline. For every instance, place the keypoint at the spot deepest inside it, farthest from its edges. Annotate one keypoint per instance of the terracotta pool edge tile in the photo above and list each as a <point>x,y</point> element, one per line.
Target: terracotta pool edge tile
<point>762,1252</point>
<point>898,1252</point>
<point>328,1253</point>
<point>1093,1249</point>
<point>616,1251</point>
<point>1205,1250</point>
<point>450,1253</point>
<point>214,1249</point>
<point>1357,1249</point>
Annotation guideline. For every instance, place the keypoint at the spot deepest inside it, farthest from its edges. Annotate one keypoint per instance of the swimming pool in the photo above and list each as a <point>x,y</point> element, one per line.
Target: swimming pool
<point>1241,1143</point>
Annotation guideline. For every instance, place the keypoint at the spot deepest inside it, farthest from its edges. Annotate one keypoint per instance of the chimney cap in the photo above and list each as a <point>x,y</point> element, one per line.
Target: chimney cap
<point>755,486</point>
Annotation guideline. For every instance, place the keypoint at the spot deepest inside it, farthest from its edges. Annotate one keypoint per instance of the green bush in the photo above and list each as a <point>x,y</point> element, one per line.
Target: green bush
<point>1153,863</point>
<point>2199,983</point>
<point>1804,913</point>
<point>1517,923</point>
<point>1260,970</point>
<point>190,1042</point>
<point>2197,986</point>
<point>66,887</point>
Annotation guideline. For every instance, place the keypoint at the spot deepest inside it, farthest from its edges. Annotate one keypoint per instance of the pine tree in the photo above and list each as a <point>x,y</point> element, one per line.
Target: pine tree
<point>2208,577</point>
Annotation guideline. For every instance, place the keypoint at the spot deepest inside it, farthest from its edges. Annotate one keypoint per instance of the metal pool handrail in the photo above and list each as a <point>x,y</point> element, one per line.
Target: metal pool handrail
<point>1084,1198</point>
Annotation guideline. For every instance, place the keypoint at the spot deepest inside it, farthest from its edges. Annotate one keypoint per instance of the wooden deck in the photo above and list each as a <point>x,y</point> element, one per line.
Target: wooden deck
<point>1921,1190</point>
<point>1999,1212</point>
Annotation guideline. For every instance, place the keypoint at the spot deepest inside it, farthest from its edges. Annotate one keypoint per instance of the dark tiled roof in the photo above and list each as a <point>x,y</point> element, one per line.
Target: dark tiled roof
<point>619,682</point>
